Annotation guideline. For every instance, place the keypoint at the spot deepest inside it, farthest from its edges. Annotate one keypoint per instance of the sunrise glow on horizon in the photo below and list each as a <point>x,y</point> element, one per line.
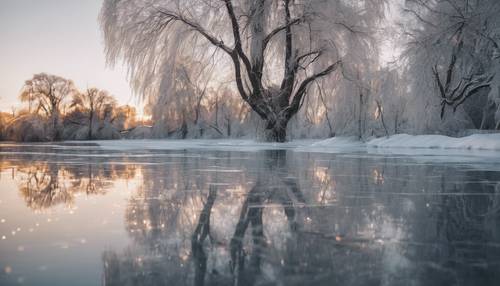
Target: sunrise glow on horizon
<point>61,38</point>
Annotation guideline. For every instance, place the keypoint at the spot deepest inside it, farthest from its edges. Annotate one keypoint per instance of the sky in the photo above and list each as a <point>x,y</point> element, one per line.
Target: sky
<point>59,37</point>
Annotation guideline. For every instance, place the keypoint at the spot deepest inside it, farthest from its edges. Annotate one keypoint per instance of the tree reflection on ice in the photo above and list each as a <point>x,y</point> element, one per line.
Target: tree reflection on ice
<point>275,232</point>
<point>275,217</point>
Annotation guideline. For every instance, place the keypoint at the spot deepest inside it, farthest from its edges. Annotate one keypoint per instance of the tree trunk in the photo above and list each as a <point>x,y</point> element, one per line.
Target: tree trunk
<point>184,129</point>
<point>396,124</point>
<point>55,131</point>
<point>360,132</point>
<point>90,125</point>
<point>276,132</point>
<point>488,118</point>
<point>228,120</point>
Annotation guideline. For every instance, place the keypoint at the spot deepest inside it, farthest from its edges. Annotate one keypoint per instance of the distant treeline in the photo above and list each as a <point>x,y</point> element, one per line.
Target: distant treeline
<point>54,109</point>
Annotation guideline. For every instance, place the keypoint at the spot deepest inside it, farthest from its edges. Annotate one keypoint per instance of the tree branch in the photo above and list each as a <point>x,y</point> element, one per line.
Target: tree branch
<point>299,94</point>
<point>288,46</point>
<point>276,31</point>
<point>469,93</point>
<point>238,47</point>
<point>233,53</point>
<point>170,17</point>
<point>438,81</point>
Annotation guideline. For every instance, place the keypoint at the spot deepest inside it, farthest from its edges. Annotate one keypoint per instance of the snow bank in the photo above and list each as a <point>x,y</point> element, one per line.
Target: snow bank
<point>433,143</point>
<point>473,142</point>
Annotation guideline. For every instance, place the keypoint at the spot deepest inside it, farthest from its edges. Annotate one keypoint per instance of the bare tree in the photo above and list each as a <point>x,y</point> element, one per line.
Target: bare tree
<point>260,38</point>
<point>48,92</point>
<point>454,91</point>
<point>380,114</point>
<point>454,44</point>
<point>92,102</point>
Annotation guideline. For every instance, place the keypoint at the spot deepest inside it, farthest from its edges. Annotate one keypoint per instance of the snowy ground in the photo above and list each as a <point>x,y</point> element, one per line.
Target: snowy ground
<point>472,142</point>
<point>438,143</point>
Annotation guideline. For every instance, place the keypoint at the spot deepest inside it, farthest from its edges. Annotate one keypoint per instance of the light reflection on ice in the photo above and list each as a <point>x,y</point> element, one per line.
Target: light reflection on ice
<point>276,217</point>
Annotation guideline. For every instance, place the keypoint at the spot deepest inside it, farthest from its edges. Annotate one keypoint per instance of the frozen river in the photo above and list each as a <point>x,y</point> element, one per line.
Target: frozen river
<point>81,214</point>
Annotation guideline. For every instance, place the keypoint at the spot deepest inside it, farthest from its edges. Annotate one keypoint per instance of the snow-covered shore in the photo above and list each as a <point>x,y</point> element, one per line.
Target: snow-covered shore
<point>489,142</point>
<point>486,142</point>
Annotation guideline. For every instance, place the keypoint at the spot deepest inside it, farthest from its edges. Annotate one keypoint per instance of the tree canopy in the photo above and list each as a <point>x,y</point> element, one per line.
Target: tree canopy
<point>277,49</point>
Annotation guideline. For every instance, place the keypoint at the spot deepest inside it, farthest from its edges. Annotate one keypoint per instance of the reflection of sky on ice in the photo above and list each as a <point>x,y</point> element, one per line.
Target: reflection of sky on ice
<point>82,216</point>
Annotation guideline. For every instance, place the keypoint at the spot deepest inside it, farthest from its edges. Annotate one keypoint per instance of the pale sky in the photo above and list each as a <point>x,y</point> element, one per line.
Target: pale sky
<point>60,37</point>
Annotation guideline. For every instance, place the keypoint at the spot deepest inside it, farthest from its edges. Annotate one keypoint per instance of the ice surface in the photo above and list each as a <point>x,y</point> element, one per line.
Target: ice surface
<point>211,144</point>
<point>117,210</point>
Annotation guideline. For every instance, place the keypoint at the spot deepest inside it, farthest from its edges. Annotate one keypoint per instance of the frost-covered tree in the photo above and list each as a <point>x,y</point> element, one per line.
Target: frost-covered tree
<point>48,93</point>
<point>57,110</point>
<point>126,117</point>
<point>454,56</point>
<point>391,102</point>
<point>92,102</point>
<point>276,49</point>
<point>5,119</point>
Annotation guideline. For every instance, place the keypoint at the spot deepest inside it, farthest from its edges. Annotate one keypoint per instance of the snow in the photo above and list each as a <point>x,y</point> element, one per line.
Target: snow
<point>433,143</point>
<point>476,151</point>
<point>473,142</point>
<point>339,142</point>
